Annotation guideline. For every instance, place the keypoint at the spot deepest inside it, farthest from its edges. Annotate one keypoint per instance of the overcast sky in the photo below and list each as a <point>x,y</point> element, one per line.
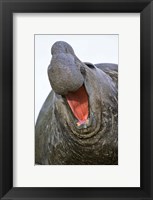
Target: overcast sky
<point>88,48</point>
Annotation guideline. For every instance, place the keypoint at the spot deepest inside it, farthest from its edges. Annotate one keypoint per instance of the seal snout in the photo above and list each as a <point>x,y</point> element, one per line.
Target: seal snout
<point>64,74</point>
<point>61,47</point>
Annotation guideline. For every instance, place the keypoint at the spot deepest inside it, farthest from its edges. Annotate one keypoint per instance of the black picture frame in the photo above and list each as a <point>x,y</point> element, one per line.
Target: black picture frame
<point>7,8</point>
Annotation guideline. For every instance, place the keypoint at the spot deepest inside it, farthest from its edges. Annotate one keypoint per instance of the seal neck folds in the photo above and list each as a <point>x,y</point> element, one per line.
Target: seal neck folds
<point>78,102</point>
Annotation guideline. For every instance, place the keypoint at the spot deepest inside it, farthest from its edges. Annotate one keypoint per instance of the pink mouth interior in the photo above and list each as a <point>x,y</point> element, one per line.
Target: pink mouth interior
<point>78,102</point>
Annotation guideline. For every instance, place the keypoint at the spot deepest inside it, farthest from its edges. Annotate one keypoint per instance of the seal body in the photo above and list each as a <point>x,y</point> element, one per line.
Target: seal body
<point>78,123</point>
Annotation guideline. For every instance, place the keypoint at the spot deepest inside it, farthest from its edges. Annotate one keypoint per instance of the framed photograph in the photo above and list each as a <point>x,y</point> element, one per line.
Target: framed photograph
<point>76,99</point>
<point>72,102</point>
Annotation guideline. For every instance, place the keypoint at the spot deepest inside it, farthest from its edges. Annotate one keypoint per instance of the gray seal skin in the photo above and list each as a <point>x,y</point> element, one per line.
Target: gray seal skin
<point>59,140</point>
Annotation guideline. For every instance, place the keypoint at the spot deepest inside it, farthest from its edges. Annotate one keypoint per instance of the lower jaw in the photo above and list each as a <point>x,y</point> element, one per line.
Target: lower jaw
<point>89,127</point>
<point>85,130</point>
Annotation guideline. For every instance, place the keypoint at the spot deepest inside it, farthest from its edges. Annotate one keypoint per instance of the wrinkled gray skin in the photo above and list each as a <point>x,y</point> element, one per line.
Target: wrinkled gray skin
<point>59,140</point>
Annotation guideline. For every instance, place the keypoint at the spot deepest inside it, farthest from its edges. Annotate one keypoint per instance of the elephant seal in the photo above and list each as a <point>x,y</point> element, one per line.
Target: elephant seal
<point>78,123</point>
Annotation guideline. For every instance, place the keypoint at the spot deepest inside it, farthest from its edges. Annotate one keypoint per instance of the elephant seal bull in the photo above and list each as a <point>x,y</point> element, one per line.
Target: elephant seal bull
<point>78,123</point>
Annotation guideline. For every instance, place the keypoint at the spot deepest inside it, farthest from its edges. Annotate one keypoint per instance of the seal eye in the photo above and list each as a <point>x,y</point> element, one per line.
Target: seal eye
<point>90,65</point>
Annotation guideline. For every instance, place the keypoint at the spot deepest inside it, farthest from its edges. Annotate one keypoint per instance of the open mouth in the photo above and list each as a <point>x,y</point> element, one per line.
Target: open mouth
<point>78,102</point>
